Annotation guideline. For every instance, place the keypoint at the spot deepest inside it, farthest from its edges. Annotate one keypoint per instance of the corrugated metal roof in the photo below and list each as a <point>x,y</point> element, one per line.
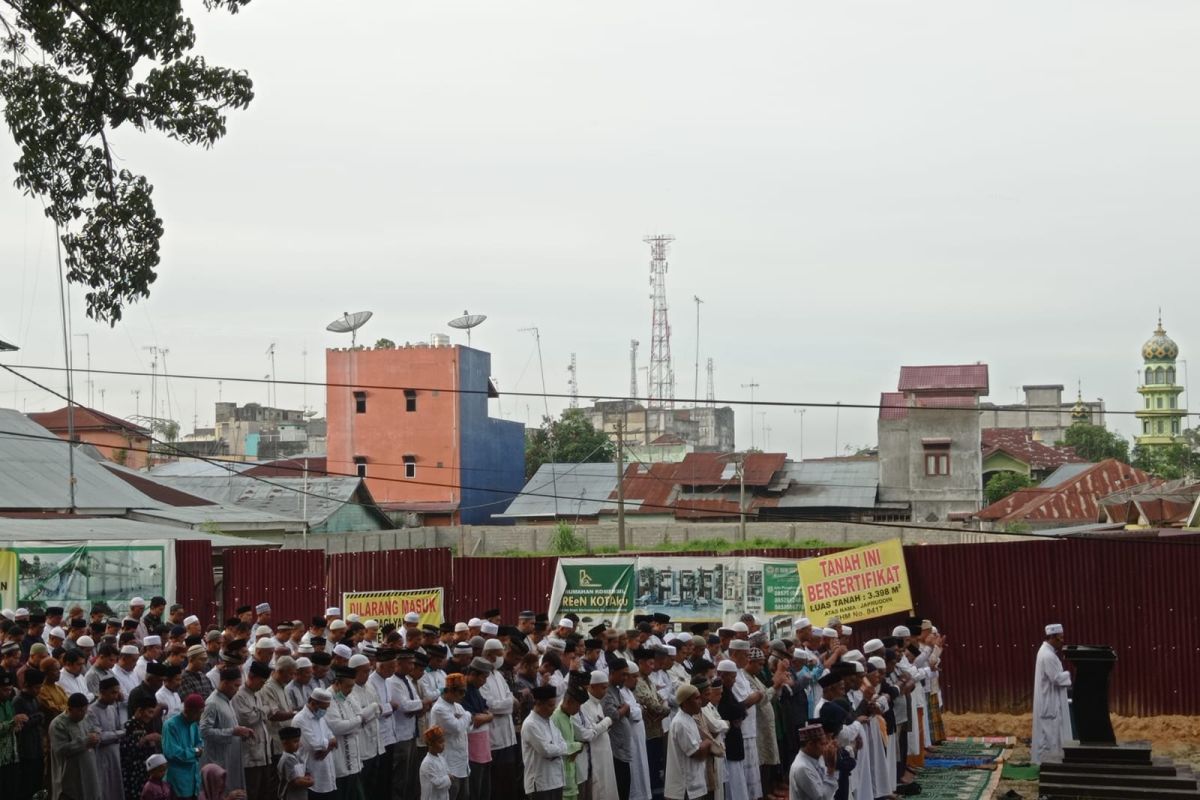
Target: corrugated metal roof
<point>280,497</point>
<point>34,474</point>
<point>1073,500</point>
<point>582,491</point>
<point>1020,444</point>
<point>892,405</point>
<point>710,469</point>
<point>1064,473</point>
<point>78,529</point>
<point>193,467</point>
<point>831,484</point>
<point>943,377</point>
<point>86,419</point>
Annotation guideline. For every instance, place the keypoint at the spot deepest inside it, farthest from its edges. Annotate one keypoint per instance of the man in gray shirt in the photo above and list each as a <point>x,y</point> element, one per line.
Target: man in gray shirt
<point>620,735</point>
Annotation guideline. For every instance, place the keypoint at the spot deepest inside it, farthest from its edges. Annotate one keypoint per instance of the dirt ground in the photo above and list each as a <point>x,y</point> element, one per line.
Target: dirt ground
<point>1175,737</point>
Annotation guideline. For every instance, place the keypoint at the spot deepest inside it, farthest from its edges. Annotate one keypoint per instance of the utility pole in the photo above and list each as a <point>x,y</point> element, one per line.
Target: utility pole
<point>633,369</point>
<point>801,411</point>
<point>741,471</point>
<point>711,396</point>
<point>87,338</point>
<point>537,337</point>
<point>751,386</point>
<point>273,389</point>
<point>763,416</point>
<point>696,386</point>
<point>137,402</point>
<point>573,383</point>
<point>620,486</point>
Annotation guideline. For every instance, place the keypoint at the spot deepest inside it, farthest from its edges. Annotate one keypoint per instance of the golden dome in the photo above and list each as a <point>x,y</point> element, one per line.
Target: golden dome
<point>1160,347</point>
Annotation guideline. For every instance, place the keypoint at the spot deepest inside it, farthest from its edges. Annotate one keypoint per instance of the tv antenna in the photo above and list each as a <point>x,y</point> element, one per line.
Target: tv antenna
<point>350,323</point>
<point>273,386</point>
<point>466,322</point>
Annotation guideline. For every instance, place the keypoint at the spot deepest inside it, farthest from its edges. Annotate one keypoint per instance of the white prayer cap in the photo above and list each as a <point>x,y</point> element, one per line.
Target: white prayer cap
<point>597,678</point>
<point>830,633</point>
<point>877,662</point>
<point>1054,629</point>
<point>358,660</point>
<point>57,633</point>
<point>412,616</point>
<point>321,695</point>
<point>873,646</point>
<point>464,648</point>
<point>337,625</point>
<point>333,611</point>
<point>740,627</point>
<point>155,761</point>
<point>475,622</point>
<point>303,663</point>
<point>556,644</point>
<point>263,630</point>
<point>489,628</point>
<point>129,650</point>
<point>933,629</point>
<point>818,633</point>
<point>739,644</point>
<point>802,623</point>
<point>800,654</point>
<point>196,650</point>
<point>565,622</point>
<point>306,648</point>
<point>671,651</point>
<point>460,627</point>
<point>8,614</point>
<point>858,667</point>
<point>685,692</point>
<point>262,608</point>
<point>353,618</point>
<point>847,630</point>
<point>85,641</point>
<point>137,601</point>
<point>833,622</point>
<point>853,655</point>
<point>684,637</point>
<point>725,630</point>
<point>727,666</point>
<point>492,644</point>
<point>192,620</point>
<point>151,641</point>
<point>264,644</point>
<point>371,623</point>
<point>901,632</point>
<point>342,651</point>
<point>21,612</point>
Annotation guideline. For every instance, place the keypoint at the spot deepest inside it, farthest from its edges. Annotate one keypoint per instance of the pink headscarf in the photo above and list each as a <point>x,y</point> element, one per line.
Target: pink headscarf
<point>212,782</point>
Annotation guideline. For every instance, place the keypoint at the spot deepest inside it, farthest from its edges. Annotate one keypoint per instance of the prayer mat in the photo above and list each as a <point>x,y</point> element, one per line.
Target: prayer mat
<point>1020,772</point>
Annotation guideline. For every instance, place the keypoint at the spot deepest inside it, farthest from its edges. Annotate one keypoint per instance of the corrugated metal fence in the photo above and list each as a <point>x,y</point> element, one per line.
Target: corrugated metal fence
<point>194,578</point>
<point>292,581</point>
<point>990,600</point>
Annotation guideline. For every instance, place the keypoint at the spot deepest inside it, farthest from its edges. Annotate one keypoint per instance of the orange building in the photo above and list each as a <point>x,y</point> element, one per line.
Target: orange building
<point>116,439</point>
<point>413,421</point>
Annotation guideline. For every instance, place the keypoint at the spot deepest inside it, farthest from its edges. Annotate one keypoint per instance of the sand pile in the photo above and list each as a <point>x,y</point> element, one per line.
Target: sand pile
<point>1161,731</point>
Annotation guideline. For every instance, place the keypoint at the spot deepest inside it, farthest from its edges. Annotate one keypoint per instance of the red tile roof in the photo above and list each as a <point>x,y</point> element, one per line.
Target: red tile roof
<point>86,419</point>
<point>892,406</point>
<point>1020,444</point>
<point>706,469</point>
<point>1075,500</point>
<point>972,377</point>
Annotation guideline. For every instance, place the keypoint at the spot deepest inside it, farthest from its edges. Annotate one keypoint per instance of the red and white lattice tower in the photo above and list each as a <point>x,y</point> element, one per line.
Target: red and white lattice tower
<point>661,389</point>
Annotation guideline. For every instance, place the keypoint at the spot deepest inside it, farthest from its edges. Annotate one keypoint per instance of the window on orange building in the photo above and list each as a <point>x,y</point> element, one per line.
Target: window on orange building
<point>360,402</point>
<point>360,466</point>
<point>410,466</point>
<point>410,399</point>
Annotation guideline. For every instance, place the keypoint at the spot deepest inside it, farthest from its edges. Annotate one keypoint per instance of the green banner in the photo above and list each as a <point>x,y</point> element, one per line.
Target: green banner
<point>781,589</point>
<point>596,588</point>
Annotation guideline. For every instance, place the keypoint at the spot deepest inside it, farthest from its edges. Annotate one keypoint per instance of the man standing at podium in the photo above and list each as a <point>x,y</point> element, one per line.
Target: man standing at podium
<point>1051,711</point>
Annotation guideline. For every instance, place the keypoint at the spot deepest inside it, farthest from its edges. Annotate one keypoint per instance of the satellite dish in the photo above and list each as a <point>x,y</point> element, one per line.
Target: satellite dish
<point>349,323</point>
<point>466,322</point>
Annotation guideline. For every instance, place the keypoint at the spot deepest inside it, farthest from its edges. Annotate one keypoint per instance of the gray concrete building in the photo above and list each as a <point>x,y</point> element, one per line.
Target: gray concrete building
<point>1043,411</point>
<point>929,442</point>
<point>706,429</point>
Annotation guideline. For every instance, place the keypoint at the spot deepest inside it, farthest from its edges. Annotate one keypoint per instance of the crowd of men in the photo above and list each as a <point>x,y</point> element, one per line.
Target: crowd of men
<point>155,705</point>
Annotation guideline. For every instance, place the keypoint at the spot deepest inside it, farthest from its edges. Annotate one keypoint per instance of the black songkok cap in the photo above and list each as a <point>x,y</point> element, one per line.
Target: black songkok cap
<point>321,659</point>
<point>156,669</point>
<point>79,622</point>
<point>544,692</point>
<point>491,612</point>
<point>289,733</point>
<point>829,679</point>
<point>592,644</point>
<point>231,674</point>
<point>445,627</point>
<point>260,670</point>
<point>77,700</point>
<point>342,673</point>
<point>833,717</point>
<point>244,609</point>
<point>661,617</point>
<point>108,683</point>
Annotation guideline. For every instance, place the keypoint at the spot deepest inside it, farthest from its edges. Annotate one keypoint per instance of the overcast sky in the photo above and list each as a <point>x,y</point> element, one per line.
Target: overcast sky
<point>853,186</point>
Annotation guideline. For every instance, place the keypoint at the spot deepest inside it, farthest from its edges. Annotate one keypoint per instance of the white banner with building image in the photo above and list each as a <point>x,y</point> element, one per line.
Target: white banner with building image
<point>690,590</point>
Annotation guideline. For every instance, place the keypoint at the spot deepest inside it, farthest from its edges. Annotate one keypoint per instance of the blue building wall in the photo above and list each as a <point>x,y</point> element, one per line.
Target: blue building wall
<point>491,451</point>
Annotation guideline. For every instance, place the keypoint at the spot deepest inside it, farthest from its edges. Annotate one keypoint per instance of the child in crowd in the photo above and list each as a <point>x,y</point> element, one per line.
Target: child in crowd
<point>156,786</point>
<point>293,778</point>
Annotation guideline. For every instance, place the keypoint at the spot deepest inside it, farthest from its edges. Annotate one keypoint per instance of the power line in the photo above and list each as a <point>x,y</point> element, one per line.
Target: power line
<point>567,396</point>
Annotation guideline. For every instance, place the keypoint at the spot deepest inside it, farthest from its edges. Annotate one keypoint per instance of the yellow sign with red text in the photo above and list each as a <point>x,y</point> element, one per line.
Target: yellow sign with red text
<point>391,606</point>
<point>856,584</point>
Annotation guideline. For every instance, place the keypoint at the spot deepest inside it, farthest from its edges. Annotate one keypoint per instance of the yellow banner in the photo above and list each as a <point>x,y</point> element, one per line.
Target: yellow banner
<point>856,584</point>
<point>391,606</point>
<point>8,579</point>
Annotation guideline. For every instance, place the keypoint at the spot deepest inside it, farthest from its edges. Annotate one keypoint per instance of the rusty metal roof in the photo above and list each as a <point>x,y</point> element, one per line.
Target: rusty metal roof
<point>973,377</point>
<point>1072,500</point>
<point>86,419</point>
<point>711,469</point>
<point>1020,444</point>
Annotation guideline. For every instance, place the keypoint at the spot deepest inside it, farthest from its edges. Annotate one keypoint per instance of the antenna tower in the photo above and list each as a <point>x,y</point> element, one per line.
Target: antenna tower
<point>711,396</point>
<point>660,390</point>
<point>633,369</point>
<point>573,383</point>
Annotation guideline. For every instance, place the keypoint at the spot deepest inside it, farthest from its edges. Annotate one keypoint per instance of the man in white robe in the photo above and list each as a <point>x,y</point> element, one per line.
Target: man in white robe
<point>1051,708</point>
<point>602,773</point>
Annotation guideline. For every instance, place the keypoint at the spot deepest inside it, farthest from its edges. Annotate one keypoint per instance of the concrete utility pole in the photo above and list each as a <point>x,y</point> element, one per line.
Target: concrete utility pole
<point>696,385</point>
<point>752,385</point>
<point>741,471</point>
<point>620,486</point>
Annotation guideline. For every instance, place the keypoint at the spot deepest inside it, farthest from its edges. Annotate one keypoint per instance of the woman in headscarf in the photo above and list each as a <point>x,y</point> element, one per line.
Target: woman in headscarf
<point>212,784</point>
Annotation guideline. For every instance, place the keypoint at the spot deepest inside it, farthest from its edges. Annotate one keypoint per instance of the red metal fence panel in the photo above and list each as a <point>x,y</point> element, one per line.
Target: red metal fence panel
<point>194,578</point>
<point>292,581</point>
<point>510,584</point>
<point>389,569</point>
